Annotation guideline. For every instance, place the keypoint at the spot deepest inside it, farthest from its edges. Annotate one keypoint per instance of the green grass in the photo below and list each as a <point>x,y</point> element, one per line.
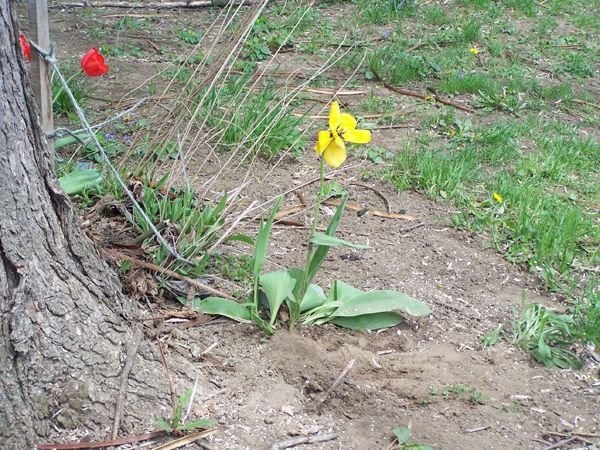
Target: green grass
<point>546,171</point>
<point>260,118</point>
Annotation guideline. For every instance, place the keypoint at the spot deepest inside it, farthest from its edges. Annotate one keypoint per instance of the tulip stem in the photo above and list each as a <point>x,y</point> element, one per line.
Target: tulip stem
<point>295,313</point>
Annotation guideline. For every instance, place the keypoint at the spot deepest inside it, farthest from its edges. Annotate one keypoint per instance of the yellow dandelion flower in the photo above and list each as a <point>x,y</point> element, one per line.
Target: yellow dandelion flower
<point>474,50</point>
<point>498,197</point>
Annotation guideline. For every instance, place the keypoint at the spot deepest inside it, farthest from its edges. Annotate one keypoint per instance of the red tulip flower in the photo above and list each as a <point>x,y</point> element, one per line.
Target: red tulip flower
<point>93,64</point>
<point>25,47</point>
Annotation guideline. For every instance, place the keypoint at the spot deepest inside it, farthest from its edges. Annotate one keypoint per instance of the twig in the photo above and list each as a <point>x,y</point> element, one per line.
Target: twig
<point>561,443</point>
<point>132,439</point>
<point>132,349</point>
<point>187,439</point>
<point>414,227</point>
<point>146,5</point>
<point>475,430</point>
<point>293,442</point>
<point>373,212</point>
<point>583,102</point>
<point>421,96</point>
<point>62,131</point>
<point>336,382</point>
<point>169,377</point>
<point>146,265</point>
<point>379,194</point>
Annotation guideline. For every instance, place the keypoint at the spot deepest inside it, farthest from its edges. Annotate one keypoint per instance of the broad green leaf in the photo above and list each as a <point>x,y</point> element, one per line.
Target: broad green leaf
<point>369,321</point>
<point>320,314</point>
<point>298,276</point>
<point>402,434</point>
<point>332,241</point>
<point>321,252</point>
<point>277,286</point>
<point>223,307</point>
<point>382,301</point>
<point>313,298</point>
<point>262,241</point>
<point>80,180</point>
<point>68,140</point>
<point>343,291</point>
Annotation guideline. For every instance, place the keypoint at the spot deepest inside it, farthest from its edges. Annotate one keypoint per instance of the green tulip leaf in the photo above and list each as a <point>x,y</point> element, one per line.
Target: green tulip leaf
<point>321,252</point>
<point>369,321</point>
<point>381,301</point>
<point>223,307</point>
<point>80,180</point>
<point>313,298</point>
<point>343,291</point>
<point>332,241</point>
<point>277,286</point>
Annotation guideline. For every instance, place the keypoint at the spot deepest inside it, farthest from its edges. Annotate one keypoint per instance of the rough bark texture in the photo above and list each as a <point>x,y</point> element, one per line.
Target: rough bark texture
<point>63,320</point>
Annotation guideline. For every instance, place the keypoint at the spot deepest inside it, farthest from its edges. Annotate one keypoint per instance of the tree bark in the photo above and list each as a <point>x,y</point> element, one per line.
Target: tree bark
<point>63,319</point>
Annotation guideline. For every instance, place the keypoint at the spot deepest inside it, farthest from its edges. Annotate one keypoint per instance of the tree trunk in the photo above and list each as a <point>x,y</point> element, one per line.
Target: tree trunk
<point>62,315</point>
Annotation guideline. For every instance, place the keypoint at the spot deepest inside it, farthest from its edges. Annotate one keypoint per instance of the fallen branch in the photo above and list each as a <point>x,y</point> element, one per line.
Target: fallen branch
<point>373,212</point>
<point>146,265</point>
<point>132,349</point>
<point>379,194</point>
<point>147,5</point>
<point>112,443</point>
<point>293,442</point>
<point>583,102</point>
<point>336,382</point>
<point>408,93</point>
<point>187,439</point>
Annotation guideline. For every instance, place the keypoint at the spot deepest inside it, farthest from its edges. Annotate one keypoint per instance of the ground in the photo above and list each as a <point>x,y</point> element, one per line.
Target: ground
<point>434,374</point>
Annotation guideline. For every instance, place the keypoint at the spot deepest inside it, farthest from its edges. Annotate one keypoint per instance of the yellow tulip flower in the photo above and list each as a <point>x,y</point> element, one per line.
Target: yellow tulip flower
<point>342,127</point>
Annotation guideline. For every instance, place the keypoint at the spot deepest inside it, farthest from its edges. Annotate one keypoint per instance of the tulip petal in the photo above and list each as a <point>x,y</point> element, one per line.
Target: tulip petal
<point>358,136</point>
<point>325,138</point>
<point>335,154</point>
<point>334,116</point>
<point>347,122</point>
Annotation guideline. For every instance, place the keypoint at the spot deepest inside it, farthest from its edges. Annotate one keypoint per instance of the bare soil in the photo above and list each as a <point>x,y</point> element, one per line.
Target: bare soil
<point>262,391</point>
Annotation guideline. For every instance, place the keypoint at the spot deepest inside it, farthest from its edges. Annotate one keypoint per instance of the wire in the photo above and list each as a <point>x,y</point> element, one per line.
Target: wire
<point>50,58</point>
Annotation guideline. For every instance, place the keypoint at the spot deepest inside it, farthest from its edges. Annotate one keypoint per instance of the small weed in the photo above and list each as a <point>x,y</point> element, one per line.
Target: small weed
<point>403,435</point>
<point>436,15</point>
<point>548,336</point>
<point>177,422</point>
<point>577,64</point>
<point>492,338</point>
<point>471,31</point>
<point>512,407</point>
<point>190,36</point>
<point>235,268</point>
<point>463,391</point>
<point>378,155</point>
<point>397,66</point>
